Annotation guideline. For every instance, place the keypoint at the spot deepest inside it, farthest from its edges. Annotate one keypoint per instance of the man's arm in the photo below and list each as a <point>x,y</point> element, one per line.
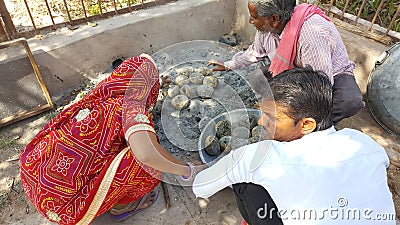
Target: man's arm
<point>236,167</point>
<point>264,45</point>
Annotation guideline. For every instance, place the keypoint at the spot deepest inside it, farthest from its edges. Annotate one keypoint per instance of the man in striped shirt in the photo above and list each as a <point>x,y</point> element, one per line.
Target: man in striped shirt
<point>295,36</point>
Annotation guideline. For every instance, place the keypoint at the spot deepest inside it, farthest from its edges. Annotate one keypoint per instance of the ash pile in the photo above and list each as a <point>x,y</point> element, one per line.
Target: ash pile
<point>196,95</point>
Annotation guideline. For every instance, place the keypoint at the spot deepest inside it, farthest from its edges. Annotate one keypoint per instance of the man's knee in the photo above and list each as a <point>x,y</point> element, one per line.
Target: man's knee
<point>351,106</point>
<point>347,97</point>
<point>346,107</point>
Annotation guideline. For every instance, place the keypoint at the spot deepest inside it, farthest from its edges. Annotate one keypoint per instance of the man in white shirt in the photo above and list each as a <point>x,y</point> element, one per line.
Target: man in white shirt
<point>309,173</point>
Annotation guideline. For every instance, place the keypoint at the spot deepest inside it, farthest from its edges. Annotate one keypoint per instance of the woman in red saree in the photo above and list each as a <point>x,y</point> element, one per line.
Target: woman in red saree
<point>102,152</point>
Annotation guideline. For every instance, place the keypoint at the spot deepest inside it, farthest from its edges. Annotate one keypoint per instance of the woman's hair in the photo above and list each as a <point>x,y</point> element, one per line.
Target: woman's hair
<point>304,93</point>
<point>282,8</point>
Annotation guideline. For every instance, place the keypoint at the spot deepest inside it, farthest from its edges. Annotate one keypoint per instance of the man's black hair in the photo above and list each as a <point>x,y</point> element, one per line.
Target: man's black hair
<point>304,93</point>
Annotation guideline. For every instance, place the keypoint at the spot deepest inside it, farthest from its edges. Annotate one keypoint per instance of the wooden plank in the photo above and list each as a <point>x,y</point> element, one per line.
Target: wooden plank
<point>8,23</point>
<point>23,115</point>
<point>39,109</point>
<point>3,34</point>
<point>363,32</point>
<point>37,72</point>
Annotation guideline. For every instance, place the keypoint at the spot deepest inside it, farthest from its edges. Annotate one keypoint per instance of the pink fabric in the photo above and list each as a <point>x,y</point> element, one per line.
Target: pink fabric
<point>320,45</point>
<point>286,51</point>
<point>264,45</point>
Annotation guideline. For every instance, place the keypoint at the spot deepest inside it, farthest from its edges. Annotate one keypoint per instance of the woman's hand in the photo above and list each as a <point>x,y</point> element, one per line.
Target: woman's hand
<point>219,66</point>
<point>145,147</point>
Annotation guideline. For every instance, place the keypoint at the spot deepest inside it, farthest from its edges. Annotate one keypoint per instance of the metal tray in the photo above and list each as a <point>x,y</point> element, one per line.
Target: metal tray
<point>383,90</point>
<point>209,129</point>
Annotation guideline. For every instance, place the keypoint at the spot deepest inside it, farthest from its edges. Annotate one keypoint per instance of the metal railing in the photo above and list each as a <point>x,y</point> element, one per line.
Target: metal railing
<point>361,8</point>
<point>85,11</point>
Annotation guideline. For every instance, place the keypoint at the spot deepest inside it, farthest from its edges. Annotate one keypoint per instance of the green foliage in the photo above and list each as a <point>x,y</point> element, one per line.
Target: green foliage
<point>49,116</point>
<point>3,198</point>
<point>384,17</point>
<point>6,143</point>
<point>93,9</point>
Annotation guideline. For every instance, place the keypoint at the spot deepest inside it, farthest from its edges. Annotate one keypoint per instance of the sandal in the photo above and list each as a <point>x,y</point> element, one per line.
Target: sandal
<point>128,212</point>
<point>129,207</point>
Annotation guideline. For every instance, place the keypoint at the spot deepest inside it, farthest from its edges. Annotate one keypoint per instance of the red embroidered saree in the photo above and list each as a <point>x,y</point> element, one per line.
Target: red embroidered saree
<point>69,160</point>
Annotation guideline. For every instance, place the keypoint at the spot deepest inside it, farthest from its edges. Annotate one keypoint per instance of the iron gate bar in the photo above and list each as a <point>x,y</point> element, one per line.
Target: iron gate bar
<point>100,10</point>
<point>344,9</point>
<point>393,19</point>
<point>40,108</point>
<point>48,9</point>
<point>30,15</point>
<point>360,10</point>
<point>31,33</point>
<point>115,7</point>
<point>69,16</point>
<point>3,34</point>
<point>84,9</point>
<point>129,5</point>
<point>330,7</point>
<point>376,14</point>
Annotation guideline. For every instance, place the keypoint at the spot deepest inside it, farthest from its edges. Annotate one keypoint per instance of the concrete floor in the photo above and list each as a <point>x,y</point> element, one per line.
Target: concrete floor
<point>185,209</point>
<point>220,208</point>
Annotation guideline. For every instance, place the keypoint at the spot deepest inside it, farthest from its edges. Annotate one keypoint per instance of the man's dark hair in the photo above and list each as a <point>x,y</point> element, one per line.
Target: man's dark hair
<point>282,8</point>
<point>304,93</point>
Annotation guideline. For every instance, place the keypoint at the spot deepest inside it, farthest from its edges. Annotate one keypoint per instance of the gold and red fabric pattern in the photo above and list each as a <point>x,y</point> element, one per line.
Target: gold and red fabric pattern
<point>64,165</point>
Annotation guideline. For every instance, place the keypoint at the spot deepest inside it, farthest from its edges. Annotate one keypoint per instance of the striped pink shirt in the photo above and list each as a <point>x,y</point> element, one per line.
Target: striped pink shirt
<point>319,46</point>
<point>264,45</point>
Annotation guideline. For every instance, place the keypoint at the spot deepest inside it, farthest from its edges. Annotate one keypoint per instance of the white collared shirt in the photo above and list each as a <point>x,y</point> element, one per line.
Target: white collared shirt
<point>334,177</point>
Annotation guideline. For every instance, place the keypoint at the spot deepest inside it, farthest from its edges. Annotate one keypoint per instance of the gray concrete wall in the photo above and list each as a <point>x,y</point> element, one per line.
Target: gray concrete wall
<point>67,57</point>
<point>241,25</point>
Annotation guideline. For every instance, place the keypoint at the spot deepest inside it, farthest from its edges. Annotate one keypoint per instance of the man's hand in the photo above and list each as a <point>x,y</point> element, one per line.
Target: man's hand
<point>219,66</point>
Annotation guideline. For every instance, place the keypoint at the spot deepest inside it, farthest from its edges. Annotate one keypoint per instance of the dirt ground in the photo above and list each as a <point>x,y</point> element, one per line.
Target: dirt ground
<point>14,206</point>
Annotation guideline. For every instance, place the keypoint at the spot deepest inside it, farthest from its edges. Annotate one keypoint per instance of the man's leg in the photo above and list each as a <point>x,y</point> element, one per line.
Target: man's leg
<point>256,205</point>
<point>347,97</point>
